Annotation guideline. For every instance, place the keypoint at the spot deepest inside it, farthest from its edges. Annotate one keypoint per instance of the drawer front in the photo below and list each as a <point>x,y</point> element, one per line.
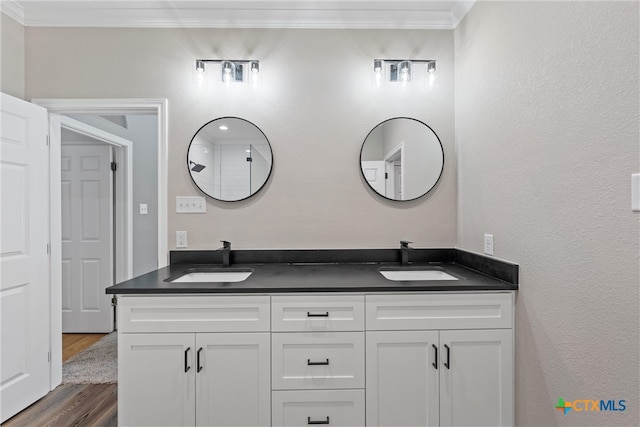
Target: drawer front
<point>439,311</point>
<point>330,360</point>
<point>318,407</point>
<point>317,313</point>
<point>194,314</point>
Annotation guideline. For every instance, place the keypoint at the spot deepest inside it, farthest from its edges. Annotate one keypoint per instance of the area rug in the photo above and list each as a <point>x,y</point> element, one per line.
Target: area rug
<point>97,364</point>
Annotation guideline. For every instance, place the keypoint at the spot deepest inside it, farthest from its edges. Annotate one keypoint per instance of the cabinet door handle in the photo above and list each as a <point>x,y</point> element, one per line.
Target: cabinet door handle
<point>186,360</point>
<point>325,314</point>
<point>198,367</point>
<point>310,363</point>
<point>447,364</point>
<point>435,348</point>
<point>309,421</point>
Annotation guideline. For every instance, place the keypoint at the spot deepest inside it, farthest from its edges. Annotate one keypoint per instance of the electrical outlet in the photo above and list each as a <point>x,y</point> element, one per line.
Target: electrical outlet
<point>190,204</point>
<point>181,239</point>
<point>488,244</point>
<point>144,210</point>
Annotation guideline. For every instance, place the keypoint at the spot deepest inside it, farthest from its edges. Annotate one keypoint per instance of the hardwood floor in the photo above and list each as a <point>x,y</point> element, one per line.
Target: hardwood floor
<point>73,344</point>
<point>73,404</point>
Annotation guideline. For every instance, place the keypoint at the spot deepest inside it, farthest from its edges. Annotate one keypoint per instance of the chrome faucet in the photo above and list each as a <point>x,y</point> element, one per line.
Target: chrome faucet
<point>404,251</point>
<point>226,253</point>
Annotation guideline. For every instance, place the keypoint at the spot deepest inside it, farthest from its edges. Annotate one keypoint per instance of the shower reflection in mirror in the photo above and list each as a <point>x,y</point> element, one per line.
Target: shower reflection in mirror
<point>229,159</point>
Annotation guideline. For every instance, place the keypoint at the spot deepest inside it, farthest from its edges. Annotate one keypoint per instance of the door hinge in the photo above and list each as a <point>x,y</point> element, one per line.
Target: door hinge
<point>48,248</point>
<point>386,175</point>
<point>47,140</point>
<point>49,356</point>
<point>114,166</point>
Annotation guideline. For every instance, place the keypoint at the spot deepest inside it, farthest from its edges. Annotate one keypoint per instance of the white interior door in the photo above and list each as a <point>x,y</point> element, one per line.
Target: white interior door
<point>87,238</point>
<point>24,259</point>
<point>374,173</point>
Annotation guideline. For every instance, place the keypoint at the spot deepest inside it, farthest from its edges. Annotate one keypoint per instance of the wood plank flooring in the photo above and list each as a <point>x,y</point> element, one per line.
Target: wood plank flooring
<point>73,404</point>
<point>73,344</point>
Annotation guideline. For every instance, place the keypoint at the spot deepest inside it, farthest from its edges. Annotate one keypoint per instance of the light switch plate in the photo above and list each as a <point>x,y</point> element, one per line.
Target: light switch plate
<point>488,244</point>
<point>190,204</point>
<point>635,192</point>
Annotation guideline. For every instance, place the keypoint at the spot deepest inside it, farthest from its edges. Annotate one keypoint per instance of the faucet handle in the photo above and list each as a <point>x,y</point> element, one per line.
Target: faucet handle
<point>225,244</point>
<point>404,243</point>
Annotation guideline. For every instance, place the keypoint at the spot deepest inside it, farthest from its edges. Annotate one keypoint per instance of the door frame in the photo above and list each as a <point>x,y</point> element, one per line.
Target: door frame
<point>96,106</point>
<point>390,158</point>
<point>123,187</point>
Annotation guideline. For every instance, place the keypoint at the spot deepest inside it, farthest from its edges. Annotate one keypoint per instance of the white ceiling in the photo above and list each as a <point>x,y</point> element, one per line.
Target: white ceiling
<point>389,14</point>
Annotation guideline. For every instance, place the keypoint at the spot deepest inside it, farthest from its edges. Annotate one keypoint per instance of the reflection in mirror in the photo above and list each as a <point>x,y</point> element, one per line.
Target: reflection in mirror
<point>402,159</point>
<point>229,159</point>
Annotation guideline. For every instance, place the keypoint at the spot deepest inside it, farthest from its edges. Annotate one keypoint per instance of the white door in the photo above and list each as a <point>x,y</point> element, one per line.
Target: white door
<point>87,238</point>
<point>156,380</point>
<point>374,173</point>
<point>24,259</point>
<point>476,385</point>
<point>233,379</point>
<point>402,378</point>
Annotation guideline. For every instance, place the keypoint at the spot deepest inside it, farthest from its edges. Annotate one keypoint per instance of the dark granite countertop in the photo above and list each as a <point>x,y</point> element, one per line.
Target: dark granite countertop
<point>296,271</point>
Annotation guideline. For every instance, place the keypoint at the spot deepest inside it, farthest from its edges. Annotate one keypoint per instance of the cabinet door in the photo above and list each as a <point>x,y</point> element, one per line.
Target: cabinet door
<point>156,381</point>
<point>476,378</point>
<point>402,381</point>
<point>233,379</point>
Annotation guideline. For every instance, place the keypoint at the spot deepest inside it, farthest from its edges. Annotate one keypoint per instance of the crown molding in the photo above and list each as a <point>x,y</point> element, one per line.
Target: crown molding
<point>330,14</point>
<point>13,9</point>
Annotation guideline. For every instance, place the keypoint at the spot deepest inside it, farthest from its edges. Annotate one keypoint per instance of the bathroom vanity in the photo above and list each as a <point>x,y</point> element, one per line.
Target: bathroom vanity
<point>327,342</point>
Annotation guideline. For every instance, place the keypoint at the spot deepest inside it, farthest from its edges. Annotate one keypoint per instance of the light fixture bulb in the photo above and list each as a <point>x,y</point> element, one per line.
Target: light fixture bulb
<point>405,71</point>
<point>255,66</point>
<point>227,66</point>
<point>377,65</point>
<point>200,66</point>
<point>431,67</point>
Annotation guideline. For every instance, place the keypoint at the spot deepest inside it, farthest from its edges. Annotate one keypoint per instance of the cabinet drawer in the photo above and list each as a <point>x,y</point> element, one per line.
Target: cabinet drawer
<point>439,311</point>
<point>317,360</point>
<point>317,313</point>
<point>318,407</point>
<point>194,314</point>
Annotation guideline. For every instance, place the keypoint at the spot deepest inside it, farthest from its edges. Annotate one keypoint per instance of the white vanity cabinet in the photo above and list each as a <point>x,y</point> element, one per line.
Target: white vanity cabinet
<point>318,356</point>
<point>440,359</point>
<point>186,360</point>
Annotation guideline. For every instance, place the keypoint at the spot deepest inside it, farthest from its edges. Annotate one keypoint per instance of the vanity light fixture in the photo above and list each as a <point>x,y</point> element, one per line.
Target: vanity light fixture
<point>400,70</point>
<point>232,69</point>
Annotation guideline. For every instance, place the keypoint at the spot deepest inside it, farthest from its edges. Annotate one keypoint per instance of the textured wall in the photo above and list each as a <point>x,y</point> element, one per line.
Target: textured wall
<point>12,54</point>
<point>316,105</point>
<point>547,124</point>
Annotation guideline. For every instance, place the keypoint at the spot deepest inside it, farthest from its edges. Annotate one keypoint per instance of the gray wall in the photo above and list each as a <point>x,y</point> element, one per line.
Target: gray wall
<point>12,56</point>
<point>547,123</point>
<point>316,104</point>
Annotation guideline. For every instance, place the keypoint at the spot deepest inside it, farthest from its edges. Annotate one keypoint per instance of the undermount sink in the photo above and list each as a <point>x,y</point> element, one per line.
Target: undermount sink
<point>212,276</point>
<point>405,275</point>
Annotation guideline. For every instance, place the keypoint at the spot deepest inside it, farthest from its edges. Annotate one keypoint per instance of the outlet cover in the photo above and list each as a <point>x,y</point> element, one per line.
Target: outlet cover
<point>488,244</point>
<point>181,239</point>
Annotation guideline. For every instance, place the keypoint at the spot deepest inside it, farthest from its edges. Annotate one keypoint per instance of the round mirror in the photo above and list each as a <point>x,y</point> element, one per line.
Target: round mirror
<point>402,159</point>
<point>229,159</point>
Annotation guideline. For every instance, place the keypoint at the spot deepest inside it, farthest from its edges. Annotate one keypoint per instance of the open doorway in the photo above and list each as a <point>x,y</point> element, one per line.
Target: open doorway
<point>100,107</point>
